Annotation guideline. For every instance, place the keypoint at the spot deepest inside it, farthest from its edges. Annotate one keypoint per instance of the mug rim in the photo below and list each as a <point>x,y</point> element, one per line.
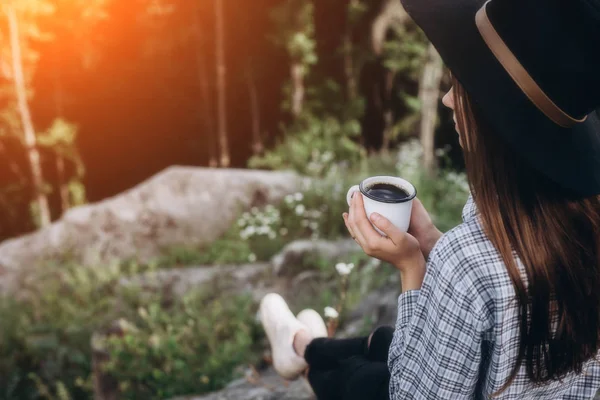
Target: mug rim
<point>387,201</point>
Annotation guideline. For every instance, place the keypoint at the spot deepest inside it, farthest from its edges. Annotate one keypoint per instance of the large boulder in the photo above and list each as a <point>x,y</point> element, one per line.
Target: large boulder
<point>181,206</point>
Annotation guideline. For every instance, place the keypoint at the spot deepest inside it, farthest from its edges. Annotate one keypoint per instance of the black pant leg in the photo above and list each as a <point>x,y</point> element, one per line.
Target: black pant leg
<point>363,379</point>
<point>326,383</point>
<point>326,353</point>
<point>355,379</point>
<point>381,339</point>
<point>350,369</point>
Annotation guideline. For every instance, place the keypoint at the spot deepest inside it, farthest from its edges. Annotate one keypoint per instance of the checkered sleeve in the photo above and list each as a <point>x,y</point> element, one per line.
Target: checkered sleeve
<point>436,350</point>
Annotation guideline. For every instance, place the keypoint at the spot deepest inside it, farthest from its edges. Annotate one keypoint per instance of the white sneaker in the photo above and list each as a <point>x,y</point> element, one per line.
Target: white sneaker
<point>281,327</point>
<point>314,322</point>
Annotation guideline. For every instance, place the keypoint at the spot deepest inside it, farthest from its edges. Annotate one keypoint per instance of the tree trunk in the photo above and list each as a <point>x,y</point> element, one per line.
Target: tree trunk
<point>388,114</point>
<point>207,114</point>
<point>221,85</point>
<point>59,159</point>
<point>257,144</point>
<point>65,204</point>
<point>297,74</point>
<point>391,13</point>
<point>26,121</point>
<point>429,96</point>
<point>349,72</point>
<point>12,164</point>
<point>349,68</point>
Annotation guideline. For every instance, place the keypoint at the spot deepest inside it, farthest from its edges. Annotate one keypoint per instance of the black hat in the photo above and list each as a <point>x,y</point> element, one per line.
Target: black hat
<point>533,67</point>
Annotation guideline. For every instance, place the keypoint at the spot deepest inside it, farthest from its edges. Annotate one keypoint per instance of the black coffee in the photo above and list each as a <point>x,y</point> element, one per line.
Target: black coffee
<point>387,192</point>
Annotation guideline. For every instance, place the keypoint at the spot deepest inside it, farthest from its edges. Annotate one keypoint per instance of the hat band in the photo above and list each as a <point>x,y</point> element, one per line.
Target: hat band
<point>519,74</point>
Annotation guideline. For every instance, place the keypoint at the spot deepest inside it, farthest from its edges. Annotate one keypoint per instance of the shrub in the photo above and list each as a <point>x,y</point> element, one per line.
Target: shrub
<point>314,143</point>
<point>45,332</point>
<point>180,345</point>
<point>192,347</point>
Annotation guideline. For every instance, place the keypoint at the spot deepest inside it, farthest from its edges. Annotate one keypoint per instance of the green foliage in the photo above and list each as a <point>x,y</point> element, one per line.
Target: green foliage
<point>405,55</point>
<point>45,350</point>
<point>45,334</point>
<point>313,143</point>
<point>60,138</point>
<point>227,250</point>
<point>296,30</point>
<point>192,347</point>
<point>356,11</point>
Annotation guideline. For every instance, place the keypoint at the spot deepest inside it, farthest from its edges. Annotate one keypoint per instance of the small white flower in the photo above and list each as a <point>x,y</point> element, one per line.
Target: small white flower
<point>254,210</point>
<point>316,214</point>
<point>154,340</point>
<point>298,196</point>
<point>263,230</point>
<point>289,199</point>
<point>331,313</point>
<point>314,225</point>
<point>272,235</point>
<point>344,269</point>
<point>283,231</point>
<point>249,231</point>
<point>252,257</point>
<point>241,223</point>
<point>375,262</point>
<point>300,209</point>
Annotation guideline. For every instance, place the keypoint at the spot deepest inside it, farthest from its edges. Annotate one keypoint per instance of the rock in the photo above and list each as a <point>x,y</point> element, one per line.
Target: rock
<point>243,278</point>
<point>299,252</point>
<point>181,206</point>
<point>378,308</point>
<point>267,386</point>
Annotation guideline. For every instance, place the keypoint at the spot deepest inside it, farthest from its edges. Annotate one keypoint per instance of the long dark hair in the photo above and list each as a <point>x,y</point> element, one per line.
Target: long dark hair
<point>556,236</point>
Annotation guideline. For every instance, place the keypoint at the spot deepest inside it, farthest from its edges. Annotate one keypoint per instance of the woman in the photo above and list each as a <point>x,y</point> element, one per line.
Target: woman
<point>507,304</point>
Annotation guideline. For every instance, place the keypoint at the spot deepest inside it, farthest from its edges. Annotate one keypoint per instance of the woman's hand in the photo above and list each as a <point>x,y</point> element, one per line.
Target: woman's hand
<point>399,249</point>
<point>422,228</point>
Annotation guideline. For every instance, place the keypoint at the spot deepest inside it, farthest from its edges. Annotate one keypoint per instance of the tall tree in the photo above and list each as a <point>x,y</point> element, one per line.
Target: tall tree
<point>203,81</point>
<point>225,158</point>
<point>355,10</point>
<point>391,16</point>
<point>257,143</point>
<point>429,91</point>
<point>29,136</point>
<point>296,26</point>
<point>63,187</point>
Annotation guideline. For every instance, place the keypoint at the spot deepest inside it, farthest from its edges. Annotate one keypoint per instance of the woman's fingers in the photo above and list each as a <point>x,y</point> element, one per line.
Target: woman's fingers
<point>371,238</point>
<point>385,226</point>
<point>347,223</point>
<point>358,235</point>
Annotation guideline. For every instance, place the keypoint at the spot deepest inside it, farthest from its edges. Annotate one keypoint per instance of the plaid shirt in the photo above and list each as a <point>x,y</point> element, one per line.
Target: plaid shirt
<point>458,336</point>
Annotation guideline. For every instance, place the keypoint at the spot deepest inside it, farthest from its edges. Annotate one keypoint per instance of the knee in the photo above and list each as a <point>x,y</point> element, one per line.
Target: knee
<point>379,343</point>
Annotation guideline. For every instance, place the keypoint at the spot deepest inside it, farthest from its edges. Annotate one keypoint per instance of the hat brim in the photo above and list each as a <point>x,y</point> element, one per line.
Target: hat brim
<point>568,156</point>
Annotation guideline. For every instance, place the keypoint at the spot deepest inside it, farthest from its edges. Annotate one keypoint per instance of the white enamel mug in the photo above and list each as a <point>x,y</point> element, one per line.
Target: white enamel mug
<point>396,211</point>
